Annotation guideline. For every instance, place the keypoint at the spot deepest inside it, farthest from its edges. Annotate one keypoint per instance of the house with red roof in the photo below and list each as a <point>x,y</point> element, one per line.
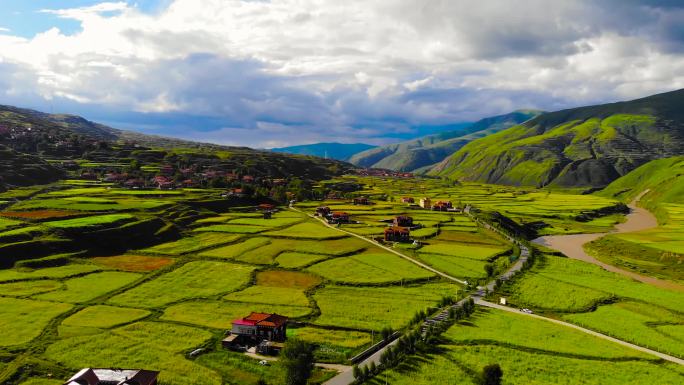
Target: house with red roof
<point>90,376</point>
<point>258,327</point>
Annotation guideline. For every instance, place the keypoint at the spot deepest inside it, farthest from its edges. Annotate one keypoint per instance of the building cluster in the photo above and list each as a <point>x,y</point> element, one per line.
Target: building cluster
<point>383,173</point>
<point>400,229</point>
<point>426,203</point>
<point>333,217</point>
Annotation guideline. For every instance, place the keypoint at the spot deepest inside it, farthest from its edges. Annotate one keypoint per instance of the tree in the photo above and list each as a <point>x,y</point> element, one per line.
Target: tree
<point>491,375</point>
<point>373,369</point>
<point>298,361</point>
<point>358,374</point>
<point>386,333</point>
<point>489,269</point>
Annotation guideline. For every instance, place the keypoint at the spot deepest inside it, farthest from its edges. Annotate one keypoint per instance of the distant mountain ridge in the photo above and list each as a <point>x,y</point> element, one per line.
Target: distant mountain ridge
<point>423,152</point>
<point>579,147</point>
<point>339,151</point>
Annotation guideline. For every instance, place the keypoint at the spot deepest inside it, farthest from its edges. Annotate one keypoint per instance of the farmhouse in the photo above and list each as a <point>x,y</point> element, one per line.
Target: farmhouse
<point>442,206</point>
<point>339,217</point>
<point>89,376</point>
<point>361,201</point>
<point>323,211</point>
<point>425,203</point>
<point>403,221</point>
<point>407,200</point>
<point>397,234</point>
<point>266,207</point>
<point>258,327</point>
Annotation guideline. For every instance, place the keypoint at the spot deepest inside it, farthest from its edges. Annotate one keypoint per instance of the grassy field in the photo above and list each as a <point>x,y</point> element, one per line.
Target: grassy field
<point>91,286</point>
<point>220,314</point>
<point>369,268</point>
<point>192,244</point>
<point>374,308</point>
<point>104,317</point>
<point>455,266</point>
<point>460,250</point>
<point>529,352</point>
<point>193,280</point>
<point>26,289</point>
<point>308,230</point>
<point>135,263</point>
<point>21,320</point>
<point>50,272</point>
<point>295,260</point>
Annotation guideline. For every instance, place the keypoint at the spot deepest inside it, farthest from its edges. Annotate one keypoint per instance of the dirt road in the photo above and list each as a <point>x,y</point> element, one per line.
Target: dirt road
<point>573,245</point>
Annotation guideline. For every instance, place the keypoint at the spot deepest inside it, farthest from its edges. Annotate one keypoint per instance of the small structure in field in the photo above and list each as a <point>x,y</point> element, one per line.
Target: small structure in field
<point>442,206</point>
<point>338,217</point>
<point>361,201</point>
<point>502,301</point>
<point>323,211</point>
<point>403,221</point>
<point>397,234</point>
<point>257,328</point>
<point>89,376</point>
<point>407,200</point>
<point>425,203</point>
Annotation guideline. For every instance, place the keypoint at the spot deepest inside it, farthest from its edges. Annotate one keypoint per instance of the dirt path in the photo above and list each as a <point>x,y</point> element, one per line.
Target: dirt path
<point>593,333</point>
<point>637,220</point>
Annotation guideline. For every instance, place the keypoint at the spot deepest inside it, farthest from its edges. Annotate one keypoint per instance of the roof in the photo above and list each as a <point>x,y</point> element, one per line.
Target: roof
<point>262,319</point>
<point>397,229</point>
<point>89,376</point>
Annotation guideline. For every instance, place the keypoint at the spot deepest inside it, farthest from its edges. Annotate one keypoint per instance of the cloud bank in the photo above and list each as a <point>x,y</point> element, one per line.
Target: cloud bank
<point>280,72</point>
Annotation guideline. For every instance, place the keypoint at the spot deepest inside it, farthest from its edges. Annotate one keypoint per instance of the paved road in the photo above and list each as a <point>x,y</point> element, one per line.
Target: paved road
<point>596,334</point>
<point>406,257</point>
<point>572,245</point>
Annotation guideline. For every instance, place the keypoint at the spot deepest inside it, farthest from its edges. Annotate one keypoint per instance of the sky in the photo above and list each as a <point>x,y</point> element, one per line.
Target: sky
<point>273,73</point>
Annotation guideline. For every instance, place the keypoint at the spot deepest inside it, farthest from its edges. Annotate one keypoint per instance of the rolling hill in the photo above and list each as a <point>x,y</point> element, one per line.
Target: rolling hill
<point>339,151</point>
<point>28,139</point>
<point>580,147</point>
<point>422,152</point>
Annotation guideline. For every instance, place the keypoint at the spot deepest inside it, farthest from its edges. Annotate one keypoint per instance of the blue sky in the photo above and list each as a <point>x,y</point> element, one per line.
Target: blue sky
<point>285,72</point>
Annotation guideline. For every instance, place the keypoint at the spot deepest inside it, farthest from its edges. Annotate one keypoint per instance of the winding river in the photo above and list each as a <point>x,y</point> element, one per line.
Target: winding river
<point>573,245</point>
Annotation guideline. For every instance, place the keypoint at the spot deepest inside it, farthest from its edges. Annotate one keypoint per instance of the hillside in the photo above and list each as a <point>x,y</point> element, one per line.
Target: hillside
<point>580,147</point>
<point>30,139</point>
<point>339,151</point>
<point>419,153</point>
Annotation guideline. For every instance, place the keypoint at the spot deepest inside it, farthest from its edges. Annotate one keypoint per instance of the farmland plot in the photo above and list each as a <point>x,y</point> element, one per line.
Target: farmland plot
<point>370,268</point>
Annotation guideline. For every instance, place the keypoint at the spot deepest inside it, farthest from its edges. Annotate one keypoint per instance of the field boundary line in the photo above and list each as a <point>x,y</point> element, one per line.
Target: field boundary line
<point>663,356</point>
<point>406,257</point>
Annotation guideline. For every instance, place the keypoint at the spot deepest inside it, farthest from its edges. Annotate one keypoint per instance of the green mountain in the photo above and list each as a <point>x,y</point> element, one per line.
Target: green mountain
<point>580,147</point>
<point>423,152</point>
<point>339,151</point>
<point>29,139</point>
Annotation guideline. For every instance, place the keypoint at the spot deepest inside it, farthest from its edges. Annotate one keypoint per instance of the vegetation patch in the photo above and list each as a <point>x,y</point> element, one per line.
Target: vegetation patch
<point>152,345</point>
<point>307,230</point>
<point>135,263</point>
<point>192,244</point>
<point>271,295</point>
<point>455,266</point>
<point>91,286</point>
<point>296,260</point>
<point>193,280</point>
<point>94,221</point>
<point>220,314</point>
<point>28,288</point>
<point>21,320</point>
<point>229,228</point>
<point>236,250</point>
<point>377,307</point>
<point>104,317</point>
<point>50,272</point>
<point>459,250</point>
<point>370,268</point>
<point>284,278</point>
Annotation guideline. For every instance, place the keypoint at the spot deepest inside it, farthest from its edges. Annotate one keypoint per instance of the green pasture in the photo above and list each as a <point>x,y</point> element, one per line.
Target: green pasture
<point>270,295</point>
<point>91,286</point>
<point>49,272</point>
<point>369,268</point>
<point>21,320</point>
<point>29,288</point>
<point>192,244</point>
<point>95,221</point>
<point>198,279</point>
<point>479,252</point>
<point>104,317</point>
<point>307,230</point>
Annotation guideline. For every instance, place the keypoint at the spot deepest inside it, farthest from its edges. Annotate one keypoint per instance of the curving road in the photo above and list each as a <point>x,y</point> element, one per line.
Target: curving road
<point>572,246</point>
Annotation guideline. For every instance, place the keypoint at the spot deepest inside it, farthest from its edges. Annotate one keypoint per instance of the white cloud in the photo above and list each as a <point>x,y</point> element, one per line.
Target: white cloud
<point>350,69</point>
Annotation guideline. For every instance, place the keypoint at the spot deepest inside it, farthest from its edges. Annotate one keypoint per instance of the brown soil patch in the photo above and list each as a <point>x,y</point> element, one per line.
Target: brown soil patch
<point>133,262</point>
<point>282,278</point>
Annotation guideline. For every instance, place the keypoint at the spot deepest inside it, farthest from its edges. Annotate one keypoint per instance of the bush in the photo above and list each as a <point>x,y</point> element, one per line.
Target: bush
<point>491,375</point>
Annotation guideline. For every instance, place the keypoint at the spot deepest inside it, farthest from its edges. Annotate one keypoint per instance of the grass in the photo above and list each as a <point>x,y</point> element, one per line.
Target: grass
<point>91,221</point>
<point>307,230</point>
<point>220,314</point>
<point>529,351</point>
<point>332,345</point>
<point>459,250</point>
<point>564,271</point>
<point>29,288</point>
<point>455,266</point>
<point>50,272</point>
<point>7,223</point>
<point>369,268</point>
<point>40,214</point>
<point>104,317</point>
<point>21,320</point>
<point>270,295</point>
<point>152,345</point>
<point>135,263</point>
<point>192,244</point>
<point>637,323</point>
<point>284,278</point>
<point>236,250</point>
<point>91,286</point>
<point>193,280</point>
<point>296,260</point>
<point>273,222</point>
<point>374,308</point>
<point>235,229</point>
